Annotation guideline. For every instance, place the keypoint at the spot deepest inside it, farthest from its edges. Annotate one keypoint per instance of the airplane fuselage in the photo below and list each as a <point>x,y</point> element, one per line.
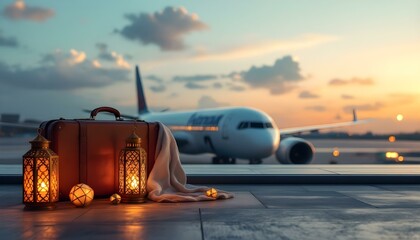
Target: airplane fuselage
<point>235,132</point>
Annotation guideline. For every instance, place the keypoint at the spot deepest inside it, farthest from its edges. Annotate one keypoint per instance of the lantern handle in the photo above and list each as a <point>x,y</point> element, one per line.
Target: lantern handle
<point>114,111</point>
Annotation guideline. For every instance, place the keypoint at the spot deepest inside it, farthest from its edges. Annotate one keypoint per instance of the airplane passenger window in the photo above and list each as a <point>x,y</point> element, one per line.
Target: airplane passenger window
<point>243,125</point>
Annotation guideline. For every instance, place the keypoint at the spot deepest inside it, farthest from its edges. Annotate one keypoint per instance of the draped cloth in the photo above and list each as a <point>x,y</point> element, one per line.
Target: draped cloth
<point>167,181</point>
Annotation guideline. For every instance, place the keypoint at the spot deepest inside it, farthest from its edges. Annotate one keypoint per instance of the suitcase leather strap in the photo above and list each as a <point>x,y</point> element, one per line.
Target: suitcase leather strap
<point>82,152</point>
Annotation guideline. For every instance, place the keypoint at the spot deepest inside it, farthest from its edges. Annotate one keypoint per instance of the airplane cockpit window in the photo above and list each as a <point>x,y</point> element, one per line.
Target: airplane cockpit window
<point>257,125</point>
<point>244,125</point>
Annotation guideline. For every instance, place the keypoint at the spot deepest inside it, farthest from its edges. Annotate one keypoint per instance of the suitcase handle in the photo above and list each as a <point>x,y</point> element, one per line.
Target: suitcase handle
<point>114,111</point>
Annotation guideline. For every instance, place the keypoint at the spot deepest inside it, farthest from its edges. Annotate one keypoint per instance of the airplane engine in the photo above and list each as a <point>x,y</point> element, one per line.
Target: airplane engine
<point>294,150</point>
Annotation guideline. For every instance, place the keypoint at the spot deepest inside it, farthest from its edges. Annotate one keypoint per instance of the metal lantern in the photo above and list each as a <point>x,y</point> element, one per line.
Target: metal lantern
<point>132,171</point>
<point>40,176</point>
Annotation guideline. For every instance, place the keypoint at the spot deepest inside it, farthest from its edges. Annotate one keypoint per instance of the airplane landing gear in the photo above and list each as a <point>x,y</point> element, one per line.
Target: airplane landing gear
<point>255,161</point>
<point>220,160</point>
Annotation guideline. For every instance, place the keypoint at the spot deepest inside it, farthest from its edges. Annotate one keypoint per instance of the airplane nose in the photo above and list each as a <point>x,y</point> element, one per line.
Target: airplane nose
<point>265,143</point>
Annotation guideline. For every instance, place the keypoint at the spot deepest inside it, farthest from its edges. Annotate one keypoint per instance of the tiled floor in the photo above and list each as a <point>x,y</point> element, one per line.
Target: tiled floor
<point>256,212</point>
<point>278,174</point>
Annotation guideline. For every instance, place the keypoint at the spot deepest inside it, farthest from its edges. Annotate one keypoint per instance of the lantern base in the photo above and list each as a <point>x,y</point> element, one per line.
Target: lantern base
<point>133,199</point>
<point>39,206</point>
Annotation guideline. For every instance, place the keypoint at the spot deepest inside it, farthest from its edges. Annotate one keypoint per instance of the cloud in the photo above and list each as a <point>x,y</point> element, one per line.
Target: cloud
<point>154,78</point>
<point>165,29</point>
<point>217,85</point>
<point>8,41</point>
<point>263,48</point>
<point>317,108</point>
<point>103,52</point>
<point>193,85</point>
<point>352,81</point>
<point>173,95</point>
<point>345,96</point>
<point>62,71</point>
<point>209,102</point>
<point>307,94</point>
<point>195,78</point>
<point>279,78</point>
<point>404,98</point>
<point>159,88</point>
<point>235,87</point>
<point>364,107</point>
<point>111,56</point>
<point>20,11</point>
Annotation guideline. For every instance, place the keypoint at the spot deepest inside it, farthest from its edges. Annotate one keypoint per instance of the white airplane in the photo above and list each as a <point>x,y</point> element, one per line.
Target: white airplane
<point>231,133</point>
<point>234,132</point>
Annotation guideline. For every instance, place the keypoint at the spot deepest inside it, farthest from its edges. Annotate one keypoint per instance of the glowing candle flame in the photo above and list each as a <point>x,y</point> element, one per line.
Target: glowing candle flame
<point>42,188</point>
<point>134,183</point>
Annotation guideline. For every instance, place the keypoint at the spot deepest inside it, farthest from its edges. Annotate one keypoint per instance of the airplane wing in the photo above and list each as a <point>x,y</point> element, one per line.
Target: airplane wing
<point>314,128</point>
<point>19,125</point>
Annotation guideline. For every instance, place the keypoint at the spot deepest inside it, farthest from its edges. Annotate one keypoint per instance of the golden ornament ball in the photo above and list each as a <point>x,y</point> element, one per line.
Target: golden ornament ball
<point>212,193</point>
<point>81,195</point>
<point>115,199</point>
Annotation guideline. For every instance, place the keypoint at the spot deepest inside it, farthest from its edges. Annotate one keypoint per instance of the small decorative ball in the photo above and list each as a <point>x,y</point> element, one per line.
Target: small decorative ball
<point>115,199</point>
<point>81,195</point>
<point>212,193</point>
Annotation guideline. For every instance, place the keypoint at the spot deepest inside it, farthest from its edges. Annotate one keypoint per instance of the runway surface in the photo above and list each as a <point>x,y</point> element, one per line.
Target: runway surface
<point>351,152</point>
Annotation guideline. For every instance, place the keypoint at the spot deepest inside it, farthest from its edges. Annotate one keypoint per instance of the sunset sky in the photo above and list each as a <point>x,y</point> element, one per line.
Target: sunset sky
<point>302,62</point>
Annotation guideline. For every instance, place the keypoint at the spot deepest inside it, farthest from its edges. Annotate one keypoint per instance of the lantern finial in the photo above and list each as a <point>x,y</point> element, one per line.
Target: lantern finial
<point>39,141</point>
<point>133,141</point>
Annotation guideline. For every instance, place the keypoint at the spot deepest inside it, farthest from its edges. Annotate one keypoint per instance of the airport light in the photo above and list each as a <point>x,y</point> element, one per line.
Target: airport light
<point>392,138</point>
<point>132,171</point>
<point>392,155</point>
<point>400,159</point>
<point>40,176</point>
<point>336,152</point>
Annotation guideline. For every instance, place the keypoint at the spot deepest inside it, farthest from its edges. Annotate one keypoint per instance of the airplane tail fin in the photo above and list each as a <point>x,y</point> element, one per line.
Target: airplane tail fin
<point>141,100</point>
<point>354,115</point>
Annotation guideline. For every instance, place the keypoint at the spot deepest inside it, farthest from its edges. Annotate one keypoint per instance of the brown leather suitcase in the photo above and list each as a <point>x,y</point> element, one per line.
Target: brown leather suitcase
<point>88,149</point>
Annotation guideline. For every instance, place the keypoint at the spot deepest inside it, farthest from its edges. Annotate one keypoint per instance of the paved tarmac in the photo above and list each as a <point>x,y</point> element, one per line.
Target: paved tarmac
<point>278,174</point>
<point>257,212</point>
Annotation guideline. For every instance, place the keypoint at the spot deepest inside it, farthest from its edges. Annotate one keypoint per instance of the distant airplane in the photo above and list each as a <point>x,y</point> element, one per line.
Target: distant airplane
<point>232,133</point>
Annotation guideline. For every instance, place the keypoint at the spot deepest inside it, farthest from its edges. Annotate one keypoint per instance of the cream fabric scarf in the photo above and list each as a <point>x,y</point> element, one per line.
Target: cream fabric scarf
<point>167,180</point>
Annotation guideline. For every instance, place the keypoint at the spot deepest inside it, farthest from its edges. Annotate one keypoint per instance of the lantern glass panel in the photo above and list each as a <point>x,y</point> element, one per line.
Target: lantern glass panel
<point>143,173</point>
<point>28,179</point>
<point>132,168</point>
